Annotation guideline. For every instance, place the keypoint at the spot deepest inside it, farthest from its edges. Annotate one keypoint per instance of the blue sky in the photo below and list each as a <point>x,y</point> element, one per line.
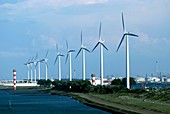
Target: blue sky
<point>28,27</point>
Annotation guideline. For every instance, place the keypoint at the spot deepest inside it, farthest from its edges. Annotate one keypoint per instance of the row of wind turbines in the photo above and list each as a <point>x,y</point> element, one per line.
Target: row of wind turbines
<point>84,49</point>
<point>32,63</point>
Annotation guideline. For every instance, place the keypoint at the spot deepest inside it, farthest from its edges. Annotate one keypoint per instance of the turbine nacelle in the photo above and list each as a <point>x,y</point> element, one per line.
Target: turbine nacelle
<point>58,55</point>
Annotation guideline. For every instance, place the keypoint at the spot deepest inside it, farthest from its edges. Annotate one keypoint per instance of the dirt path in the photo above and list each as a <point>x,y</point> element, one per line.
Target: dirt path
<point>114,107</point>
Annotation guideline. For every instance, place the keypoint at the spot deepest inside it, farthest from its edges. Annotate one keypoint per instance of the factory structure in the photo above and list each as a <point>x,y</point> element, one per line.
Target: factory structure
<point>139,79</point>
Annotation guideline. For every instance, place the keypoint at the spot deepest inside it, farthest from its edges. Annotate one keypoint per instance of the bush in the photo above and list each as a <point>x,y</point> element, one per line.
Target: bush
<point>76,86</point>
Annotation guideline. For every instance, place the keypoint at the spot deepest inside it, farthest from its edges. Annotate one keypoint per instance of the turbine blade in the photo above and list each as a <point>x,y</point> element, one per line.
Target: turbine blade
<point>46,54</point>
<point>78,52</point>
<point>66,58</point>
<point>67,44</point>
<point>95,46</point>
<point>131,34</point>
<point>71,51</point>
<point>86,49</point>
<point>100,30</point>
<point>56,47</point>
<point>29,59</point>
<point>56,59</point>
<point>36,64</point>
<point>47,65</point>
<point>120,42</point>
<point>81,38</point>
<point>32,59</point>
<point>42,60</point>
<point>123,23</point>
<point>61,55</point>
<point>36,57</point>
<point>104,46</point>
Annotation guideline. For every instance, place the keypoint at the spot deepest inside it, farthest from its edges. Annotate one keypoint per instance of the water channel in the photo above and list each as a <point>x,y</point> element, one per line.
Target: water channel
<point>32,102</point>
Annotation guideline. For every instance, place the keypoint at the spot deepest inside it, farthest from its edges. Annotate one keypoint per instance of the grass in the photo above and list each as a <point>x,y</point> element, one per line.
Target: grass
<point>131,101</point>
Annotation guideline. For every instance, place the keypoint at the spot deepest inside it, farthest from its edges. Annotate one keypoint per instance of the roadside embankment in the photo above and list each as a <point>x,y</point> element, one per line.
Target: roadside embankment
<point>104,104</point>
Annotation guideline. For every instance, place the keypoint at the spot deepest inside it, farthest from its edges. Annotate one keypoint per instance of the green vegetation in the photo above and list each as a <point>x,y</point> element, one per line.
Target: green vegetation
<point>130,98</point>
<point>155,100</point>
<point>44,83</point>
<point>123,82</point>
<point>116,88</point>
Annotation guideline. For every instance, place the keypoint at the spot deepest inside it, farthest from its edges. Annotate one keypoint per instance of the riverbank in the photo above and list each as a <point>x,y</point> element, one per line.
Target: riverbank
<point>106,103</point>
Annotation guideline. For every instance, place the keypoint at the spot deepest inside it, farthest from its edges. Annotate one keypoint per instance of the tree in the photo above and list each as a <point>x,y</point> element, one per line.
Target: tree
<point>116,82</point>
<point>41,82</point>
<point>45,83</point>
<point>132,81</point>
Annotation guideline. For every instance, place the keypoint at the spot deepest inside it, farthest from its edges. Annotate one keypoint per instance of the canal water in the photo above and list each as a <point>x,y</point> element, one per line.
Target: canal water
<point>32,102</point>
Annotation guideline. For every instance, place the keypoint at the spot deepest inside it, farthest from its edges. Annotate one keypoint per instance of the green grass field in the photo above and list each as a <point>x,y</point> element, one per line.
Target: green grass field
<point>128,99</point>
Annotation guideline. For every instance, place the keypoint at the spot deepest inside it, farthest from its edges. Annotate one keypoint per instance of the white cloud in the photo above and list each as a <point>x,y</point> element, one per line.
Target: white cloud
<point>11,54</point>
<point>50,3</point>
<point>48,41</point>
<point>149,40</point>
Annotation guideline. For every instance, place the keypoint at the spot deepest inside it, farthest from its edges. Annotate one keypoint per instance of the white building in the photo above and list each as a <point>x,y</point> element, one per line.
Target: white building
<point>139,79</point>
<point>97,82</point>
<point>153,79</point>
<point>168,79</point>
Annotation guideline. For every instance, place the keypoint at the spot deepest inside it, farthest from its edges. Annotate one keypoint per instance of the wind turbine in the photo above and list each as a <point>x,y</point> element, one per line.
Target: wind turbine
<point>28,67</point>
<point>35,65</point>
<point>46,65</point>
<point>59,62</point>
<point>83,49</point>
<point>31,62</point>
<point>70,65</point>
<point>125,35</point>
<point>101,42</point>
<point>38,62</point>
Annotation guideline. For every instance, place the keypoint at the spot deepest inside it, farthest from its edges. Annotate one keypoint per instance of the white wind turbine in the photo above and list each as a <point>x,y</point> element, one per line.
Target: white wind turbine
<point>70,65</point>
<point>28,68</point>
<point>35,65</point>
<point>31,62</point>
<point>58,57</point>
<point>83,49</point>
<point>125,35</point>
<point>46,65</point>
<point>39,72</point>
<point>101,42</point>
<point>38,63</point>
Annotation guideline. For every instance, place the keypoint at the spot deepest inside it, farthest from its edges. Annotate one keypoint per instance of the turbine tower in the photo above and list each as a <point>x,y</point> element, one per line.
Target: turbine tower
<point>39,72</point>
<point>101,42</point>
<point>46,65</point>
<point>70,65</point>
<point>31,62</point>
<point>28,68</point>
<point>58,57</point>
<point>125,35</point>
<point>35,65</point>
<point>38,63</point>
<point>83,49</point>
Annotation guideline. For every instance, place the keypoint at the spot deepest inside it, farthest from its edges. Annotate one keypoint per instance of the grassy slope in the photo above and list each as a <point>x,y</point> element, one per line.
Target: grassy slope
<point>118,102</point>
<point>130,101</point>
